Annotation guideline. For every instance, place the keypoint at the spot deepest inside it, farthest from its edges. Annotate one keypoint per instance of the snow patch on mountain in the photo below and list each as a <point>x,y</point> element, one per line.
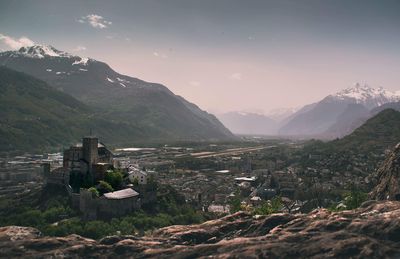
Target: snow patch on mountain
<point>122,80</point>
<point>41,51</point>
<point>82,61</point>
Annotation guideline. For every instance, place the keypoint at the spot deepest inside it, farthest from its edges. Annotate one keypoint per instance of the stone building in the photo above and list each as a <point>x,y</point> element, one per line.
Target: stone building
<point>87,162</point>
<point>112,204</point>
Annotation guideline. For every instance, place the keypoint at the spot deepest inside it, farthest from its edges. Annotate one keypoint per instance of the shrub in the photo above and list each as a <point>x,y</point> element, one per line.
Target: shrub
<point>94,191</point>
<point>104,187</point>
<point>269,207</point>
<point>354,199</point>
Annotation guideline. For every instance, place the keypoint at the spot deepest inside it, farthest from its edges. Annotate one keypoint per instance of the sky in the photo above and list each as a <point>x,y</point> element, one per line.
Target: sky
<point>223,55</point>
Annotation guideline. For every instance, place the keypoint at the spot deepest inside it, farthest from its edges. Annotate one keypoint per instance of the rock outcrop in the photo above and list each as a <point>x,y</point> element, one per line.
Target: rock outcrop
<point>372,231</point>
<point>388,174</point>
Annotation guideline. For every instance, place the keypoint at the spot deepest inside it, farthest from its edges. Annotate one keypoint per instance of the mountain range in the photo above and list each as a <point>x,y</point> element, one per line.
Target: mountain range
<point>339,114</point>
<point>151,110</point>
<point>333,117</point>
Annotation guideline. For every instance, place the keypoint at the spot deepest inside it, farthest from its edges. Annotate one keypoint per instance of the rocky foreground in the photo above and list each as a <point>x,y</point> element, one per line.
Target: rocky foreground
<point>372,231</point>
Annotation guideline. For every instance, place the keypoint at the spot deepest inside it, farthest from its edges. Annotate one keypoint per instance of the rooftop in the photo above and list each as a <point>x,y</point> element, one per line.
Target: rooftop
<point>98,145</point>
<point>246,179</point>
<point>121,194</point>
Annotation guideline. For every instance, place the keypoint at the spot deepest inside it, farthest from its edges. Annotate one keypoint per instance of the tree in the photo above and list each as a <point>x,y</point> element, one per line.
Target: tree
<point>235,203</point>
<point>104,187</point>
<point>152,184</point>
<point>114,178</point>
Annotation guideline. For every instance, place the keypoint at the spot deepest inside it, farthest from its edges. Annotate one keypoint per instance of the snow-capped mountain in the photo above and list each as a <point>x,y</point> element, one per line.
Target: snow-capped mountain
<point>56,67</point>
<point>150,107</point>
<point>366,95</point>
<point>41,51</point>
<point>330,117</point>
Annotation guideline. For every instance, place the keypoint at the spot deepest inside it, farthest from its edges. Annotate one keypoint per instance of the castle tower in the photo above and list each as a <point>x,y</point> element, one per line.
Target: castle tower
<point>90,150</point>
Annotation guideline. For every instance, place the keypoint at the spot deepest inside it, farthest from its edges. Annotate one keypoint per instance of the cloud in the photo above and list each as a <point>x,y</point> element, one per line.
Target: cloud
<point>14,43</point>
<point>159,55</point>
<point>194,83</point>
<point>236,76</point>
<point>79,48</point>
<point>96,21</point>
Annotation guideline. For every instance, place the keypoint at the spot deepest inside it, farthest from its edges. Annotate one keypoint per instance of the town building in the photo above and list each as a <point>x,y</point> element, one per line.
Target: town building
<point>135,174</point>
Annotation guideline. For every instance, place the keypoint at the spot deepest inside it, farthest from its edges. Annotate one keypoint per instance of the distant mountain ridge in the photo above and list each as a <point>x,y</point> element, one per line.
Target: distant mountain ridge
<point>249,123</point>
<point>339,114</point>
<point>148,107</point>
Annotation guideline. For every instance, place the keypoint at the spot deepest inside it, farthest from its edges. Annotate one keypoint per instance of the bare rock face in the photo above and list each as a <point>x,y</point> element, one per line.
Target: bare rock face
<point>372,231</point>
<point>388,187</point>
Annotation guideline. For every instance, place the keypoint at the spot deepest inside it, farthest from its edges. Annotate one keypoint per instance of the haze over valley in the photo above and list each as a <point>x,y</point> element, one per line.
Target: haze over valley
<point>194,129</point>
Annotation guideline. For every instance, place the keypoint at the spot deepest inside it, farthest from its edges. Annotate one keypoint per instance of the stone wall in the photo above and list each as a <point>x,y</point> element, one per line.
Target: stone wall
<point>100,207</point>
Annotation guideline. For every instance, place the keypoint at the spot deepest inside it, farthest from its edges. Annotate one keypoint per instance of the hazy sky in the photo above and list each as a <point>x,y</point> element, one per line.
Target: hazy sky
<point>224,55</point>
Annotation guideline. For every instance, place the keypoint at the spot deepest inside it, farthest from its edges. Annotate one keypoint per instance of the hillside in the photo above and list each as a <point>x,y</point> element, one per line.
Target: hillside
<point>36,116</point>
<point>314,121</point>
<point>360,152</point>
<point>150,108</point>
<point>352,117</point>
<point>378,133</point>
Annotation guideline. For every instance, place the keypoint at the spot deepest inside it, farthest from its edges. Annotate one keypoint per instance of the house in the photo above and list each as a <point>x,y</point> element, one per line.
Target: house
<point>136,174</point>
<point>218,209</point>
<point>255,200</point>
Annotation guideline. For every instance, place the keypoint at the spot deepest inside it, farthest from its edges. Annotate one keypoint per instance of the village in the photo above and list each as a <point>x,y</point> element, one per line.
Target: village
<point>103,184</point>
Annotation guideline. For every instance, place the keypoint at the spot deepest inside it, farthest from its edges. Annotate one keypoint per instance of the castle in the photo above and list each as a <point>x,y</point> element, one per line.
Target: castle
<point>87,162</point>
<point>84,165</point>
